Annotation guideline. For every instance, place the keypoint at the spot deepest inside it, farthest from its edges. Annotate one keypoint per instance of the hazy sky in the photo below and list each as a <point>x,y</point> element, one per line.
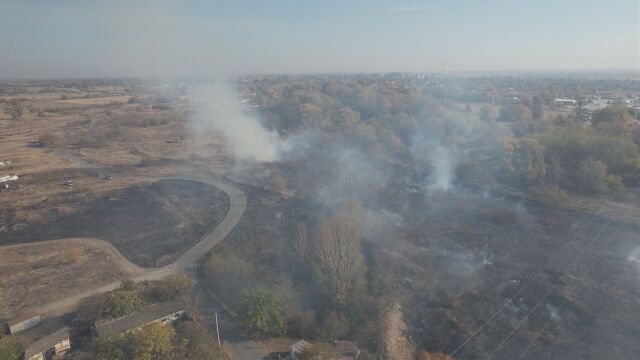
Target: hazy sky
<point>160,38</point>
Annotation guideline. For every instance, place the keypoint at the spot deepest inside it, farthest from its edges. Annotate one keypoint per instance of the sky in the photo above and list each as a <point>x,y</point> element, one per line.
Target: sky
<point>80,38</point>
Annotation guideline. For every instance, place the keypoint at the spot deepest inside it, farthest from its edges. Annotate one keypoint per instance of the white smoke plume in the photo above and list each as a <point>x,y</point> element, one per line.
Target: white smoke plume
<point>444,166</point>
<point>440,159</point>
<point>218,108</point>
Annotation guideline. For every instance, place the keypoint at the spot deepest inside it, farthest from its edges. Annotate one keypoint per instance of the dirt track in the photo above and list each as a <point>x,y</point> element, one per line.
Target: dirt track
<point>118,258</point>
<point>187,262</point>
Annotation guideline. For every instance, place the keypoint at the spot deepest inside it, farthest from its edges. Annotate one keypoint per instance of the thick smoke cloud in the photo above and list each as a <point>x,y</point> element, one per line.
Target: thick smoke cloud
<point>218,107</point>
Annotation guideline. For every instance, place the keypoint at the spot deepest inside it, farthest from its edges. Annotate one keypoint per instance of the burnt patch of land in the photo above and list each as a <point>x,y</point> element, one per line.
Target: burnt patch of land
<point>151,225</point>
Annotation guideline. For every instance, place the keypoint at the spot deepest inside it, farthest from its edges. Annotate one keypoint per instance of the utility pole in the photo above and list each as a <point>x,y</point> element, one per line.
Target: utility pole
<point>217,330</point>
<point>350,180</point>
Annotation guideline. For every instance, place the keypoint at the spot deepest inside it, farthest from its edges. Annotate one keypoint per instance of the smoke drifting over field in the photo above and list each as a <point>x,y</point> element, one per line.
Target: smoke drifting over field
<point>218,108</point>
<point>441,160</point>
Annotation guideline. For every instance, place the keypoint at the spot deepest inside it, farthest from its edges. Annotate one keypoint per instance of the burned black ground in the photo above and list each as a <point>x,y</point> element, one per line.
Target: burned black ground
<point>151,225</point>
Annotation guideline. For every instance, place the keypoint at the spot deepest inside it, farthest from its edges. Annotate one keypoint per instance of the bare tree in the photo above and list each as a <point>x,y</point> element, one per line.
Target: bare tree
<point>300,241</point>
<point>338,260</point>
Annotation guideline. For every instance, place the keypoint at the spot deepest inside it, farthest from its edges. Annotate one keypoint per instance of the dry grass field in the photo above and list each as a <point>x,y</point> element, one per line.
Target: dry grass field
<point>100,124</point>
<point>33,274</point>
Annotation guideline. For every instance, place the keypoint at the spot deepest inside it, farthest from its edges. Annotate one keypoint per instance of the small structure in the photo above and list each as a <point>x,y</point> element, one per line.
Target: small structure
<point>8,178</point>
<point>68,183</point>
<point>163,312</point>
<point>559,101</point>
<point>343,350</point>
<point>23,322</point>
<point>297,348</point>
<point>346,349</point>
<point>54,344</point>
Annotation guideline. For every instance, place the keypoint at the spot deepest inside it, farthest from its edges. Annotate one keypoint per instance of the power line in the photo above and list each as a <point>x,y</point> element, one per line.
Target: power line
<point>535,276</point>
<point>564,300</point>
<point>575,261</point>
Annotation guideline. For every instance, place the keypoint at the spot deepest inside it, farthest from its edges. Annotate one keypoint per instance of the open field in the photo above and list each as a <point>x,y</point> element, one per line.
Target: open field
<point>37,273</point>
<point>151,221</point>
<point>151,224</point>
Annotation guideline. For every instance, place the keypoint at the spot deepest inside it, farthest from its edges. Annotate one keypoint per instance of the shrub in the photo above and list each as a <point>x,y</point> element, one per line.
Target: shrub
<point>523,160</point>
<point>591,176</point>
<point>11,348</point>
<point>119,303</point>
<point>303,325</point>
<point>48,139</point>
<point>172,288</point>
<point>261,312</point>
<point>334,327</point>
<point>550,195</point>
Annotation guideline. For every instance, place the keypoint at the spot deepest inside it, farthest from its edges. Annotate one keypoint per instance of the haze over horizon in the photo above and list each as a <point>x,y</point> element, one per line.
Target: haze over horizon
<point>72,38</point>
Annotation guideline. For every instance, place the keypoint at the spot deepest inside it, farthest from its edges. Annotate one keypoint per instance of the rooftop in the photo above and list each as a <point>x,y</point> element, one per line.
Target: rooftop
<point>140,318</point>
<point>47,342</point>
<point>21,318</point>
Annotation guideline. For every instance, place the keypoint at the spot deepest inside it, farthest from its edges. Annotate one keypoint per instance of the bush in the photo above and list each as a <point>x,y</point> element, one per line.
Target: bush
<point>550,195</point>
<point>635,133</point>
<point>154,341</point>
<point>194,342</point>
<point>334,327</point>
<point>119,303</point>
<point>172,288</point>
<point>48,139</point>
<point>261,312</point>
<point>303,325</point>
<point>11,348</point>
<point>228,273</point>
<point>523,160</point>
<point>591,176</point>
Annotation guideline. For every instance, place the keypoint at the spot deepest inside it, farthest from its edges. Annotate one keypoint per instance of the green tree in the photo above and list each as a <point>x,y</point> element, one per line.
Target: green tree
<point>537,107</point>
<point>119,303</point>
<point>106,348</point>
<point>612,114</point>
<point>261,311</point>
<point>523,160</point>
<point>11,348</point>
<point>194,342</point>
<point>591,176</point>
<point>151,342</point>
